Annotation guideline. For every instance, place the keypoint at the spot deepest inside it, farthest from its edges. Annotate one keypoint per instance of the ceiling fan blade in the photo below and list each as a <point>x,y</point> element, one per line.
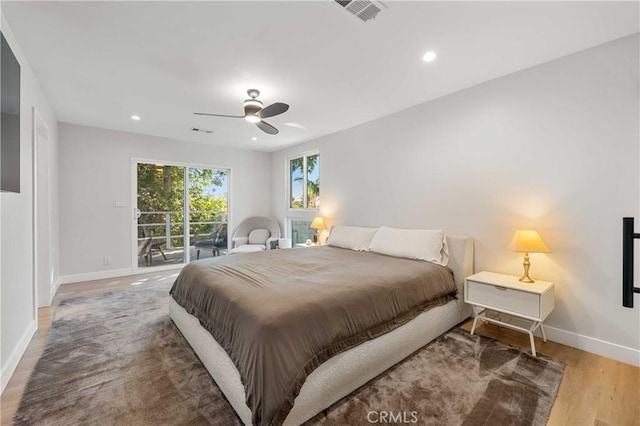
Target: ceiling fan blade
<point>273,109</point>
<point>219,115</point>
<point>267,128</point>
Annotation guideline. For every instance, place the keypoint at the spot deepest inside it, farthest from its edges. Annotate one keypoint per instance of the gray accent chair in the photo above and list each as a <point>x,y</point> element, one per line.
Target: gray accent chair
<point>255,234</point>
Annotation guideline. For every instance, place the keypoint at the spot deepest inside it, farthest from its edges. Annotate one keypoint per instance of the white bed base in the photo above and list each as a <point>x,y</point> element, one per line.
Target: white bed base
<point>347,371</point>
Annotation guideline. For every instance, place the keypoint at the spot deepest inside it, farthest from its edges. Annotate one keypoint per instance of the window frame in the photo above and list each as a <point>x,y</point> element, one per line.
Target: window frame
<point>289,227</point>
<point>304,155</point>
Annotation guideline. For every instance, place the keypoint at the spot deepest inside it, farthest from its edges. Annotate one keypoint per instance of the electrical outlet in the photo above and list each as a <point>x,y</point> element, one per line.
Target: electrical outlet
<point>107,260</point>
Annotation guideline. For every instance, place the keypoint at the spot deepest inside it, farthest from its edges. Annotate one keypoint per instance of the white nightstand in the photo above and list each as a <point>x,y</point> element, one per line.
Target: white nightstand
<point>489,291</point>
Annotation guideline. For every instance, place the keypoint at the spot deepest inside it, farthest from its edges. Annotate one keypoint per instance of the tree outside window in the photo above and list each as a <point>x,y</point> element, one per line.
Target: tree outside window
<point>161,193</point>
<point>304,182</point>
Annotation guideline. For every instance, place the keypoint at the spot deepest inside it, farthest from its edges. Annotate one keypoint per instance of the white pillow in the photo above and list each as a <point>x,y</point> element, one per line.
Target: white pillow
<point>259,236</point>
<point>351,237</point>
<point>420,244</point>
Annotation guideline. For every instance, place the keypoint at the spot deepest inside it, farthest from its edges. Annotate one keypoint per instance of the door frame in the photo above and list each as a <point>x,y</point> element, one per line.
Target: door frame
<point>134,203</point>
<point>44,287</point>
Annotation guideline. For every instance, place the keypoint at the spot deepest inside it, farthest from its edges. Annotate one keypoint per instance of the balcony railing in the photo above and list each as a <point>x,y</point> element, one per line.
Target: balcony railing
<point>218,217</point>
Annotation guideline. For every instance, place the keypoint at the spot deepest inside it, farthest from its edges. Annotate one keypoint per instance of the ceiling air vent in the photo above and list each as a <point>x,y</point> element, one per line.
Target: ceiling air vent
<point>195,129</point>
<point>363,9</point>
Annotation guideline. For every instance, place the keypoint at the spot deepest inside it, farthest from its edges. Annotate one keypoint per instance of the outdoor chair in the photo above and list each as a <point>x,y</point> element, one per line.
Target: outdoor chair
<point>154,246</point>
<point>144,249</point>
<point>214,241</point>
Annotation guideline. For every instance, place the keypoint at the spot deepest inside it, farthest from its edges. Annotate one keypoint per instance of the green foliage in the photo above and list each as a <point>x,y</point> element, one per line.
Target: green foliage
<point>313,193</point>
<point>161,189</point>
<point>313,186</point>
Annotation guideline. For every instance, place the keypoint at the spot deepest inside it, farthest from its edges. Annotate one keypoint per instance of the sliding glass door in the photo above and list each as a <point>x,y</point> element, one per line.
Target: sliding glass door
<point>171,199</point>
<point>208,214</point>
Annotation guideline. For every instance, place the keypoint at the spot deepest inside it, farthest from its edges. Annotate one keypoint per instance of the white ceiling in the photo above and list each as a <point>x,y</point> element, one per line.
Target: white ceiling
<point>101,62</point>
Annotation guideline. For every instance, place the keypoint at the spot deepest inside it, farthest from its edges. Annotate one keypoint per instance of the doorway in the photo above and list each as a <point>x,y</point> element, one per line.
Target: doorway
<point>181,213</point>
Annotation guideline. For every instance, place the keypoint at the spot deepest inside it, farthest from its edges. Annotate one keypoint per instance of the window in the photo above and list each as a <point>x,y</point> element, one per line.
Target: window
<point>304,182</point>
<point>299,230</point>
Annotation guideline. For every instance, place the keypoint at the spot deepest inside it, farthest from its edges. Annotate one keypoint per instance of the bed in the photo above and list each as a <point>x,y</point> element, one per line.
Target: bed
<point>278,390</point>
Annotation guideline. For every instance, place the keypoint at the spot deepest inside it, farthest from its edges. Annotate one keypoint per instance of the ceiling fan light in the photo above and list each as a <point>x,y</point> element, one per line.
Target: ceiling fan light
<point>251,108</point>
<point>253,103</point>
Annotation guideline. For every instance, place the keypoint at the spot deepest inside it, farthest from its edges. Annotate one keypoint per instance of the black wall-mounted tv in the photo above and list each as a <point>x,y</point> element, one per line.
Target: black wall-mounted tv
<point>10,125</point>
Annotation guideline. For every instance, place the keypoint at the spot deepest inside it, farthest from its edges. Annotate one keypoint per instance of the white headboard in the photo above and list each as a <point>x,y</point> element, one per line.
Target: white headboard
<point>461,263</point>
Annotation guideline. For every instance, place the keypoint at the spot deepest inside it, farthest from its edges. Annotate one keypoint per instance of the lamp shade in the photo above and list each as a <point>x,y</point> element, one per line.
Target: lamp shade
<point>318,223</point>
<point>528,241</point>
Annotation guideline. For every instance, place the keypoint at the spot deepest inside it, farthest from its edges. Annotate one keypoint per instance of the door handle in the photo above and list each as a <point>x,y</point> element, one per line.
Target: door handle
<point>136,213</point>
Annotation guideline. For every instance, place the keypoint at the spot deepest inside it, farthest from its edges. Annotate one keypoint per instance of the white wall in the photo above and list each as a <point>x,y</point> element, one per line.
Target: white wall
<point>17,293</point>
<point>95,171</point>
<point>554,147</point>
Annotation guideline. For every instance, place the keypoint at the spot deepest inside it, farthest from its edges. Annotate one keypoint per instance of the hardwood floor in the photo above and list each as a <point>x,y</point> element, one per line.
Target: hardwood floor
<point>594,390</point>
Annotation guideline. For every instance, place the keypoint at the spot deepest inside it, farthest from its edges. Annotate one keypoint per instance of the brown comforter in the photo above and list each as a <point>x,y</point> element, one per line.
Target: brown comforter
<point>281,313</point>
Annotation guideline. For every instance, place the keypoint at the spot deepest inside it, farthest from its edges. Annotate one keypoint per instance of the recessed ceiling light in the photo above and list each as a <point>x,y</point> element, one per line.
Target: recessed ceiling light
<point>429,56</point>
<point>254,138</point>
<point>135,117</point>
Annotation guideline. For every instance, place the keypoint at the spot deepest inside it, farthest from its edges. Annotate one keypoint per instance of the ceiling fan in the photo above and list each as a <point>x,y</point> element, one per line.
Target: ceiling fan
<point>254,112</point>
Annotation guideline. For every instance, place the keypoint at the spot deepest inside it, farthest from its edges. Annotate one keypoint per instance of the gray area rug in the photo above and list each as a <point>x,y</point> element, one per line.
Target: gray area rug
<point>117,359</point>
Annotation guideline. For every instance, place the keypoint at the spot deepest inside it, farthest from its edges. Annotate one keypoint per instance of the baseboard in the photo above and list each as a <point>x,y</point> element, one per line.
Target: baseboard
<point>585,343</point>
<point>16,355</point>
<point>92,276</point>
<point>54,289</point>
<point>593,345</point>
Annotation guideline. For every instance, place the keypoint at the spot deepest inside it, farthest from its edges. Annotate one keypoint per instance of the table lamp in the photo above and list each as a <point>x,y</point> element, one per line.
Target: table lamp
<point>317,224</point>
<point>527,241</point>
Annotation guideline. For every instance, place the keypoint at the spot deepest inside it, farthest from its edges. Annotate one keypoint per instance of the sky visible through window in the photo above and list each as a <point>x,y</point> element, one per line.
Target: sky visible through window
<point>304,191</point>
<point>297,184</point>
<point>214,190</point>
<point>313,181</point>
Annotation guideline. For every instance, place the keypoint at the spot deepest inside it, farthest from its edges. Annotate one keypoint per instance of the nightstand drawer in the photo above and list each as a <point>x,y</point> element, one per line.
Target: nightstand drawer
<point>502,298</point>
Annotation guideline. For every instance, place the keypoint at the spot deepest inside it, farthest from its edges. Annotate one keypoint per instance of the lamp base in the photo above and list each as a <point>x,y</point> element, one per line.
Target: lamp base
<point>526,265</point>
